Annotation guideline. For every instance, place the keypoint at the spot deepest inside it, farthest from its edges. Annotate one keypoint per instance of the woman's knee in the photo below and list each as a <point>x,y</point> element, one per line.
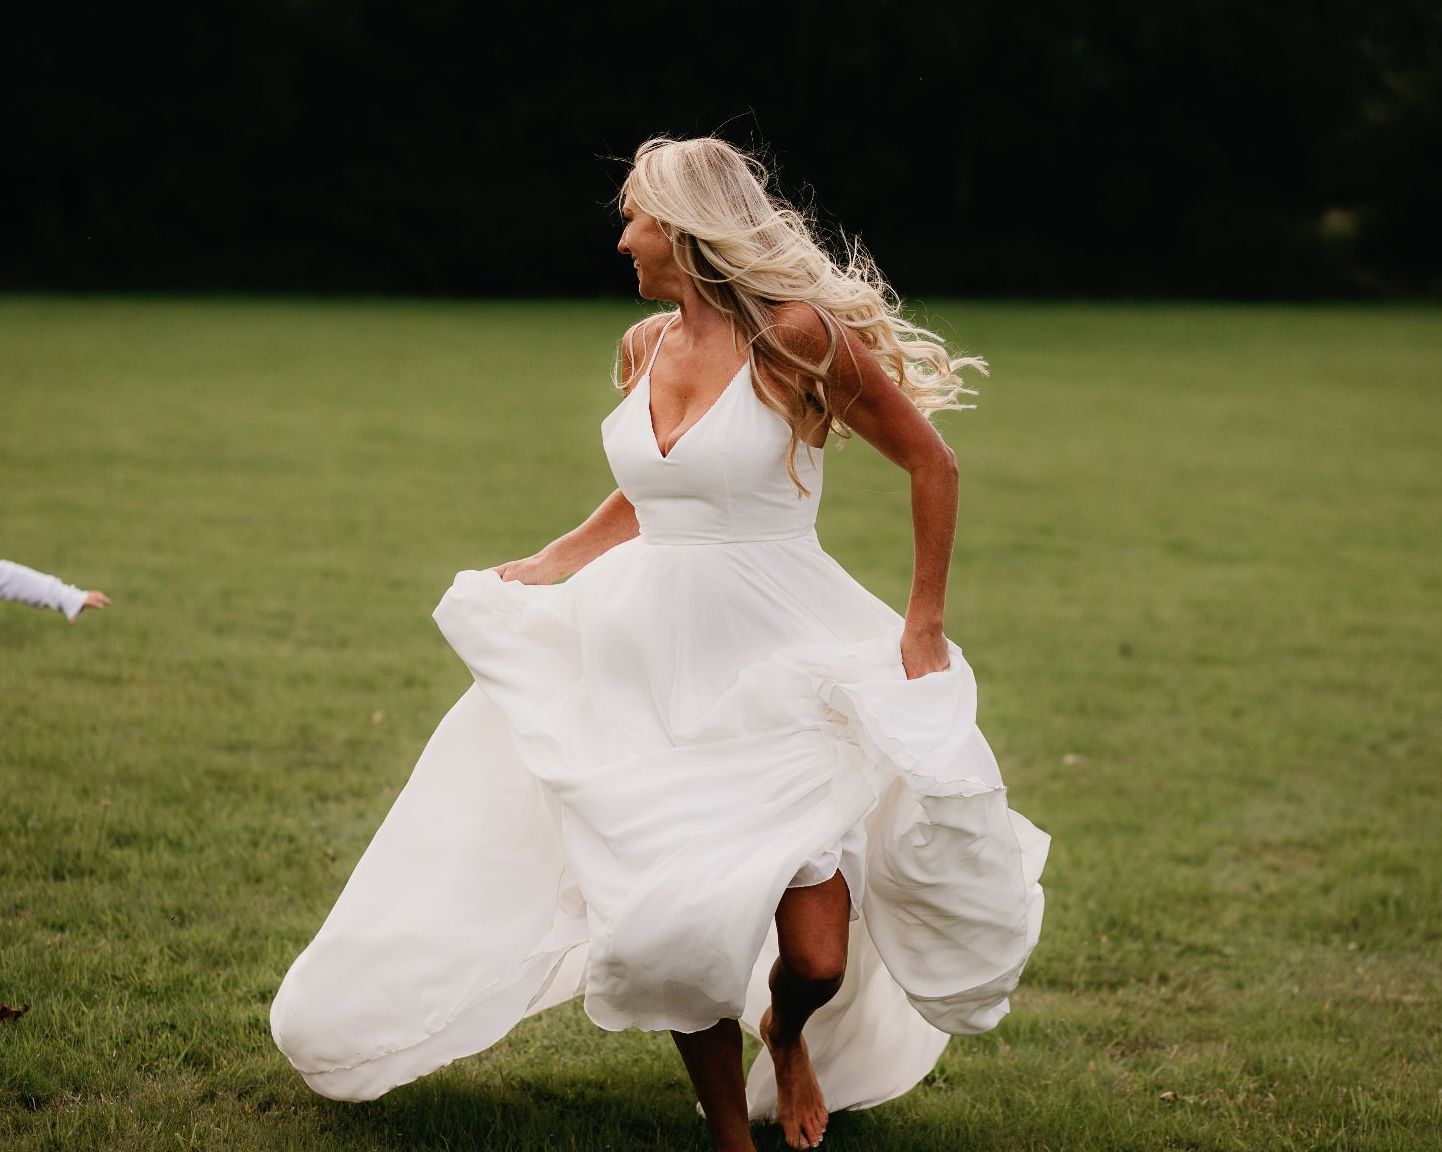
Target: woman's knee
<point>819,965</point>
<point>812,928</point>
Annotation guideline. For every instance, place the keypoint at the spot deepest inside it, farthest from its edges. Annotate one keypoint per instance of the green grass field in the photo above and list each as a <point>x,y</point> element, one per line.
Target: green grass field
<point>1197,572</point>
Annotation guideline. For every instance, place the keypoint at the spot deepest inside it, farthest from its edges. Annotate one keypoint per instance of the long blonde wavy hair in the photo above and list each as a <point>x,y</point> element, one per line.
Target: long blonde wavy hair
<point>748,250</point>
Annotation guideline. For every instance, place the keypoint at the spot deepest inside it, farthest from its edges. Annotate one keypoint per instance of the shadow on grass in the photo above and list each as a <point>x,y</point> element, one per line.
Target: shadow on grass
<point>631,1108</point>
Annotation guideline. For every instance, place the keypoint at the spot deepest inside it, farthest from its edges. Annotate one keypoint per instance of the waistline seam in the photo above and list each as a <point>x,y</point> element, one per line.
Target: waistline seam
<point>809,532</point>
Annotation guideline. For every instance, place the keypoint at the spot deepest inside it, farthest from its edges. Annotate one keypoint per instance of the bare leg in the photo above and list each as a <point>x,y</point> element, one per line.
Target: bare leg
<point>811,928</point>
<point>713,1061</point>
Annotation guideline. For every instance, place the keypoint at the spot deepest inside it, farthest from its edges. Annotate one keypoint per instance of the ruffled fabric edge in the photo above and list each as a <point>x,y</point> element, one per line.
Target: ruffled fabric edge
<point>954,902</point>
<point>941,805</point>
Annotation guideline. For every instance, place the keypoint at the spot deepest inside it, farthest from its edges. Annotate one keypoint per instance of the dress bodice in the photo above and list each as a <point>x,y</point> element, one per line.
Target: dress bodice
<point>724,479</point>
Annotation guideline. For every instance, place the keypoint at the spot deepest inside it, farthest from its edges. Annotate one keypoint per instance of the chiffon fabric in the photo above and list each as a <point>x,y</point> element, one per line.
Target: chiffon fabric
<point>652,751</point>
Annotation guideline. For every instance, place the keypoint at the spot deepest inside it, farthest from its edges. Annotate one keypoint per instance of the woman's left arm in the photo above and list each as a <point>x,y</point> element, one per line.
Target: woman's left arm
<point>879,412</point>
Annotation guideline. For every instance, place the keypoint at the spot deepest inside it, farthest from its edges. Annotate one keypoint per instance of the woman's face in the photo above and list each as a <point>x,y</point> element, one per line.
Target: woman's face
<point>657,274</point>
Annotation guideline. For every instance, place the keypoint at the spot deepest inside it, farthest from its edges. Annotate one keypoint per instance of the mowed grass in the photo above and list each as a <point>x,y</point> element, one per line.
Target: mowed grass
<point>1196,571</point>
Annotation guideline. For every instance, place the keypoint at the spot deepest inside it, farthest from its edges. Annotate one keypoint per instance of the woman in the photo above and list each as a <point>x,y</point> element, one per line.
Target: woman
<point>709,780</point>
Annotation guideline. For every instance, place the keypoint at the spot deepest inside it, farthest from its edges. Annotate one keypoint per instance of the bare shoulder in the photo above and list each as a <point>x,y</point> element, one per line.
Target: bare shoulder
<point>801,329</point>
<point>811,333</point>
<point>636,346</point>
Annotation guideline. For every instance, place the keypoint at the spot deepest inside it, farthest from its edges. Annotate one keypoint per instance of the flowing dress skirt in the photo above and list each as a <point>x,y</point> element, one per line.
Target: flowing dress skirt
<point>650,754</point>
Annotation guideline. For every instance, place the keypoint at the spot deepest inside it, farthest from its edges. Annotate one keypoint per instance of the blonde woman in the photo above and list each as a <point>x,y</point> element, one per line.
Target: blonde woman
<point>708,781</point>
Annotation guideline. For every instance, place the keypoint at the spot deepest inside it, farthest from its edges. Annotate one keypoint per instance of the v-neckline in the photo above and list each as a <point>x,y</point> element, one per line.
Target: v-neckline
<point>651,419</point>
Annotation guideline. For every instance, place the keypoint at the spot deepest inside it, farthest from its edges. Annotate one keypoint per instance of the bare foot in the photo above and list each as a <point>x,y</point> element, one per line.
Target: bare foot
<point>800,1106</point>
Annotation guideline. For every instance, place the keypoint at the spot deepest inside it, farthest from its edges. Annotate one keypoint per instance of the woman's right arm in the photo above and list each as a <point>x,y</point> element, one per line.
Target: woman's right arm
<point>613,522</point>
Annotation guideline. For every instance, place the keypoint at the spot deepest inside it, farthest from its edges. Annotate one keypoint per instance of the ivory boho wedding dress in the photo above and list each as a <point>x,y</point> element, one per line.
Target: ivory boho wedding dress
<point>651,752</point>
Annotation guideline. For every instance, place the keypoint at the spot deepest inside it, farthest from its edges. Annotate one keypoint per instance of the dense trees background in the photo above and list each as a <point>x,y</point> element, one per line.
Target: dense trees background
<point>1212,147</point>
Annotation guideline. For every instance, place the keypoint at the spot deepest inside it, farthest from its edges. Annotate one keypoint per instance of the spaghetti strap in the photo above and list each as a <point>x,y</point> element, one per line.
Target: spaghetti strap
<point>664,329</point>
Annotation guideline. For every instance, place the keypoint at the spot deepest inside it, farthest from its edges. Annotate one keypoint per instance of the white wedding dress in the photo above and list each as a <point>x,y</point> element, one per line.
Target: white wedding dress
<point>652,752</point>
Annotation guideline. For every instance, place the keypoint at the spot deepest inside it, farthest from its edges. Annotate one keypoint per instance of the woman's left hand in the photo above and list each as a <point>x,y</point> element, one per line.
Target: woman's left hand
<point>923,650</point>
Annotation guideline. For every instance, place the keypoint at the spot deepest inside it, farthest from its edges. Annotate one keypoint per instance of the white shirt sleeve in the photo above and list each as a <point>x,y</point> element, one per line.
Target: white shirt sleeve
<point>28,586</point>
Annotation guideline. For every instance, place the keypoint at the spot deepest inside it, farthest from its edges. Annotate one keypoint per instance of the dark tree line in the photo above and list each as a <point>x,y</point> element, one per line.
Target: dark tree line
<point>1212,147</point>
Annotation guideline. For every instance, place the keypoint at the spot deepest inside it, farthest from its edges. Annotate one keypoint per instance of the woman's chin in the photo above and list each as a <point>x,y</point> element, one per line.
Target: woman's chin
<point>648,291</point>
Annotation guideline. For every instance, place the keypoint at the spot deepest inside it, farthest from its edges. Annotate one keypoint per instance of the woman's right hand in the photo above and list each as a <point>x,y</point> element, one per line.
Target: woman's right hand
<point>530,570</point>
<point>610,524</point>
